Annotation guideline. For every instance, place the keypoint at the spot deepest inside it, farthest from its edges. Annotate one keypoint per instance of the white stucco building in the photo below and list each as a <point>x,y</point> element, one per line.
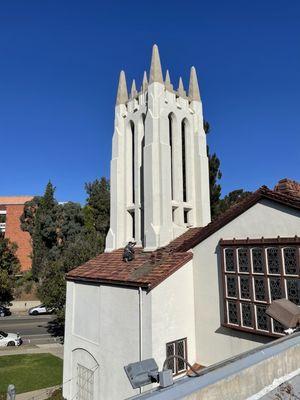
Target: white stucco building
<point>195,288</point>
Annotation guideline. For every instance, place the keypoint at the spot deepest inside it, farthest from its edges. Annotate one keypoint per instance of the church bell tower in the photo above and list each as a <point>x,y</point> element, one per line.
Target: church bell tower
<point>159,166</point>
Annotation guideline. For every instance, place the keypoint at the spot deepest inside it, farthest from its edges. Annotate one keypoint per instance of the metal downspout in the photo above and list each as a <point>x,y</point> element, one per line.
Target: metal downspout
<point>140,327</point>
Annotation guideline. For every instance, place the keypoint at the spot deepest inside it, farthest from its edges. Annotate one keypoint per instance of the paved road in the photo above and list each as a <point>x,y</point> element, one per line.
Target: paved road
<point>33,329</point>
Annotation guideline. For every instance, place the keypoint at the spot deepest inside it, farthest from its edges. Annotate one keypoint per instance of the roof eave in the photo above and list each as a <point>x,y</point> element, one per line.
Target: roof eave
<point>81,279</point>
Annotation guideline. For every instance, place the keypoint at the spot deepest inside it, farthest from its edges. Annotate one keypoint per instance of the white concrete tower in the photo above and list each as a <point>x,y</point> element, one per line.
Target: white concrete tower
<point>159,166</point>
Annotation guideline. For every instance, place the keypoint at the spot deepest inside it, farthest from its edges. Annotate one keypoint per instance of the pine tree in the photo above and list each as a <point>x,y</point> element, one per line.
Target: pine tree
<point>97,209</point>
<point>9,266</point>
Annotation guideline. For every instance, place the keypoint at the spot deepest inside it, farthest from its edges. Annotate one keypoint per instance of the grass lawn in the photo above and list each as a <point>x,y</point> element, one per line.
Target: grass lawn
<point>30,371</point>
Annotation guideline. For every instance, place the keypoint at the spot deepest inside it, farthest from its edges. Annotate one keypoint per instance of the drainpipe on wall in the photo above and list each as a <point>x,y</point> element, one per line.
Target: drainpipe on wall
<point>140,326</point>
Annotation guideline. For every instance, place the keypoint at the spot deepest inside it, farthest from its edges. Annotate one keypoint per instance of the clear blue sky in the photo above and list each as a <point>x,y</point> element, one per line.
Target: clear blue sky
<point>59,66</point>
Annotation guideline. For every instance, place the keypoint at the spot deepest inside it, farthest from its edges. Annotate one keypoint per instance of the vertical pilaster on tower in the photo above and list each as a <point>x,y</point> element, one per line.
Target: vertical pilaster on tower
<point>194,92</point>
<point>122,94</point>
<point>133,92</point>
<point>155,69</point>
<point>116,234</point>
<point>168,83</point>
<point>145,82</point>
<point>201,202</point>
<point>181,92</point>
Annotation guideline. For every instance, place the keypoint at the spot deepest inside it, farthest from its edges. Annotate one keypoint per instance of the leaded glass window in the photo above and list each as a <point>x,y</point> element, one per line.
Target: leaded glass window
<point>277,327</point>
<point>233,313</point>
<point>258,260</point>
<point>262,318</point>
<point>243,260</point>
<point>245,287</point>
<point>258,271</point>
<point>177,348</point>
<point>275,288</point>
<point>293,290</point>
<point>231,286</point>
<point>229,260</point>
<point>247,314</point>
<point>85,383</point>
<point>260,289</point>
<point>290,260</point>
<point>273,260</point>
<point>170,351</point>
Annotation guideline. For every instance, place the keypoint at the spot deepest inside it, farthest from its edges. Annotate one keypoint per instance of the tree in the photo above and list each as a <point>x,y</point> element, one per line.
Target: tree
<point>65,236</point>
<point>39,219</point>
<point>230,199</point>
<point>98,202</point>
<point>215,175</point>
<point>97,209</point>
<point>214,187</point>
<point>9,266</point>
<point>218,205</point>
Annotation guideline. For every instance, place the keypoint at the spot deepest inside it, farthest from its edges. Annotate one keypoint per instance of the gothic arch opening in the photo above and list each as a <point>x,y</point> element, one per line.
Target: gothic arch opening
<point>132,127</point>
<point>184,142</point>
<point>171,119</point>
<point>142,232</point>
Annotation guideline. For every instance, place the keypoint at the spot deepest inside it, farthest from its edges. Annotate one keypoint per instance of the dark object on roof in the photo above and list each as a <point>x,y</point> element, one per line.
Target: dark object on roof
<point>128,254</point>
<point>149,269</point>
<point>285,312</point>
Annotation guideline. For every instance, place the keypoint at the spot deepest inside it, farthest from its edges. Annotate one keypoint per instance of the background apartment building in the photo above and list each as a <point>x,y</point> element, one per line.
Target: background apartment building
<point>11,208</point>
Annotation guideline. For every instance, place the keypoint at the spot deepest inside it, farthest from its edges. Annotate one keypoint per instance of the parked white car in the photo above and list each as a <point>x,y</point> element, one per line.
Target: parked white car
<point>10,339</point>
<point>41,309</point>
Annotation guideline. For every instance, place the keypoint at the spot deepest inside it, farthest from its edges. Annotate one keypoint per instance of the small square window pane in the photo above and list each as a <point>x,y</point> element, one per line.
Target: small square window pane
<point>229,260</point>
<point>243,260</point>
<point>290,260</point>
<point>273,260</point>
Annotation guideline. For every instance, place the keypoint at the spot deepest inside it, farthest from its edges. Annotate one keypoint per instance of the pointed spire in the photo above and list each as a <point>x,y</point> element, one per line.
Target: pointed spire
<point>181,92</point>
<point>145,82</point>
<point>194,92</point>
<point>133,92</point>
<point>122,95</point>
<point>168,83</point>
<point>155,69</point>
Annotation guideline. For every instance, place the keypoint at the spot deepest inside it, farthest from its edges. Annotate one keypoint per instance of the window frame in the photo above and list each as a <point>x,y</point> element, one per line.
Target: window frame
<point>85,376</point>
<point>265,275</point>
<point>175,360</point>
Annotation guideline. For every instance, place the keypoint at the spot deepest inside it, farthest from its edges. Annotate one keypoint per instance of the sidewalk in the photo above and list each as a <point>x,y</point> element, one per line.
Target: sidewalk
<point>56,349</point>
<point>41,394</point>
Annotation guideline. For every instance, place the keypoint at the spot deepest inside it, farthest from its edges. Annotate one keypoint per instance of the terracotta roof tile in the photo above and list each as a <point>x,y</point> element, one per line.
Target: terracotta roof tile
<point>144,270</point>
<point>148,269</point>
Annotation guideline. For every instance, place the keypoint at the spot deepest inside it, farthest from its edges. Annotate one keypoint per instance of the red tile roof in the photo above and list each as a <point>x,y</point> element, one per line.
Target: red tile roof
<point>148,269</point>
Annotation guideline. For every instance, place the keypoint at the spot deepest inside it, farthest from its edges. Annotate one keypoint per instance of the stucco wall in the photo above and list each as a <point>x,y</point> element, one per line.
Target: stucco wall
<point>173,313</point>
<point>215,343</point>
<point>102,328</point>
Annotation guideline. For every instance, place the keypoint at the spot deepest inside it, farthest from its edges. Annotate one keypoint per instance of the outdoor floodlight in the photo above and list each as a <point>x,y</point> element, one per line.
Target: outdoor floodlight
<point>145,372</point>
<point>285,312</point>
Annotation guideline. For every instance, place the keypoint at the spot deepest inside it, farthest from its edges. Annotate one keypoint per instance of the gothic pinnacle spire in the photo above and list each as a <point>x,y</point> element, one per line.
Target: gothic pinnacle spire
<point>145,82</point>
<point>133,92</point>
<point>155,69</point>
<point>181,92</point>
<point>194,92</point>
<point>168,83</point>
<point>122,95</point>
